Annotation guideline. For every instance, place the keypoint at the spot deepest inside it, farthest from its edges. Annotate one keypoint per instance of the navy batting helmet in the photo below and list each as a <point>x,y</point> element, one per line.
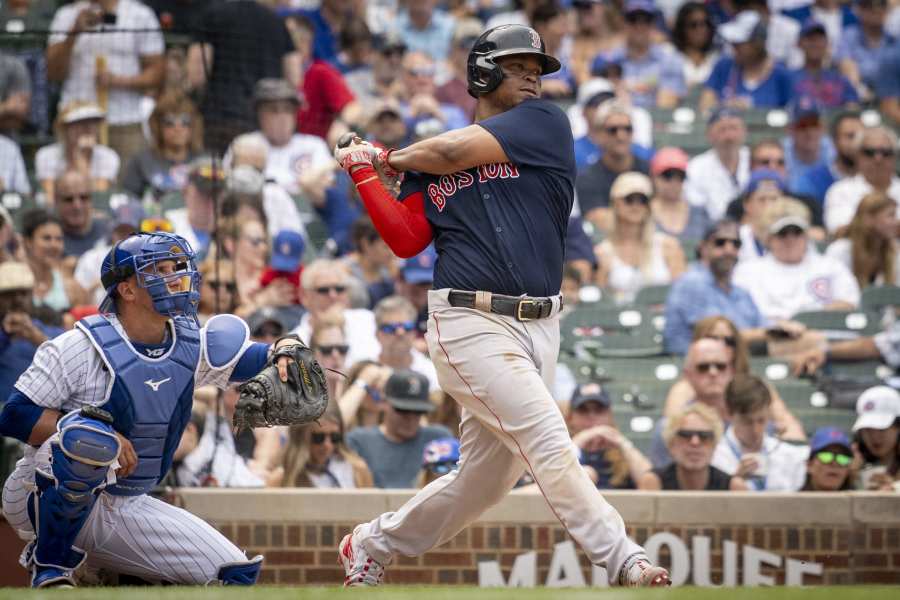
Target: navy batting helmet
<point>140,254</point>
<point>482,71</point>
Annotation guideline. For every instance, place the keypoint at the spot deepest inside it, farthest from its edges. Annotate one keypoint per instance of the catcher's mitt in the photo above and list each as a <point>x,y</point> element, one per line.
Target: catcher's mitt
<point>266,401</point>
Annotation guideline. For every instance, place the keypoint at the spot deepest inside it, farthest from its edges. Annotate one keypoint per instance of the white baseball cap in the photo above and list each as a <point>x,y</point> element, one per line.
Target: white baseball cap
<point>878,407</point>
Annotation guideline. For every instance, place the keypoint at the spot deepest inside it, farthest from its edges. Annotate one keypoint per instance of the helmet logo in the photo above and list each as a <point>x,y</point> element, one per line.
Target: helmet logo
<point>535,39</point>
<point>176,250</point>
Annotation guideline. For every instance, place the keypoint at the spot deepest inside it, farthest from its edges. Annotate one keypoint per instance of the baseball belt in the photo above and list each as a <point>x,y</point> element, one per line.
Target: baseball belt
<point>518,307</point>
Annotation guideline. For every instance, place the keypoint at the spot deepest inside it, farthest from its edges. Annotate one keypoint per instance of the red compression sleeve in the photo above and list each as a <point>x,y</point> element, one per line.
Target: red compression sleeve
<point>402,225</point>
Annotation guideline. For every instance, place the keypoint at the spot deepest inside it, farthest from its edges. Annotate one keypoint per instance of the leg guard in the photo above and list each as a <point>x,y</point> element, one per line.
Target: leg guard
<point>240,573</point>
<point>79,463</point>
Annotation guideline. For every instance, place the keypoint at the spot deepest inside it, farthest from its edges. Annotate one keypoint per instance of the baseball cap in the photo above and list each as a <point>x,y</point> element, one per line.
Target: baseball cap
<point>758,176</point>
<point>877,408</point>
<point>246,179</point>
<point>629,183</point>
<point>805,107</point>
<point>640,6</point>
<point>594,91</point>
<point>828,436</point>
<point>287,250</point>
<point>271,89</point>
<point>722,112</point>
<point>441,455</point>
<point>747,26</point>
<point>602,62</point>
<point>811,26</point>
<point>15,276</point>
<point>388,42</point>
<point>285,319</point>
<point>81,112</point>
<point>669,158</point>
<point>466,32</point>
<point>206,174</point>
<point>408,390</point>
<point>420,268</point>
<point>589,392</point>
<point>383,108</point>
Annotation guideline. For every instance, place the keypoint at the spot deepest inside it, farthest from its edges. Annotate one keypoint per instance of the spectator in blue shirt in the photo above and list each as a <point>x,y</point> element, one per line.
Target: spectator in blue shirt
<point>836,15</point>
<point>818,79</point>
<point>749,78</point>
<point>552,24</point>
<point>706,290</point>
<point>420,103</point>
<point>861,45</point>
<point>327,21</point>
<point>888,86</point>
<point>425,29</point>
<point>653,75</point>
<point>845,127</point>
<point>20,334</point>
<point>807,147</point>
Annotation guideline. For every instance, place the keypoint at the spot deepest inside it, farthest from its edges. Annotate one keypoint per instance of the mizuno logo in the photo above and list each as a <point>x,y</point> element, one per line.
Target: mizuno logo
<point>154,385</point>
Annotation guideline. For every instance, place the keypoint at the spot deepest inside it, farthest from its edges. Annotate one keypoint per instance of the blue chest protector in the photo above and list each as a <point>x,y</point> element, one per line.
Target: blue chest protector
<point>151,398</point>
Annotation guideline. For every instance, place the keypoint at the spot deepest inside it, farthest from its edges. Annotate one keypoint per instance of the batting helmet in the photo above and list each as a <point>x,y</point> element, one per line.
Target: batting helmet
<point>140,255</point>
<point>482,71</point>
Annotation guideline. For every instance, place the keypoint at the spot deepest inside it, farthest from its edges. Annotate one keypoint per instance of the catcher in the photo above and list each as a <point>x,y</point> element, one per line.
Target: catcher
<point>102,409</point>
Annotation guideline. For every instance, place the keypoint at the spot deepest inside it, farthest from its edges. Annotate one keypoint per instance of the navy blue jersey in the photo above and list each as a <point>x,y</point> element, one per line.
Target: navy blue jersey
<point>502,227</point>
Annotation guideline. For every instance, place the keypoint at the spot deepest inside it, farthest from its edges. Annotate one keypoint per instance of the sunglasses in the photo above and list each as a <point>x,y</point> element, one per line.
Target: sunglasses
<point>722,242</point>
<point>706,367</point>
<point>790,230</point>
<point>70,199</point>
<point>327,289</point>
<point>406,413</point>
<point>873,3</point>
<point>341,349</point>
<point>878,152</point>
<point>632,199</point>
<point>615,129</point>
<point>826,458</point>
<point>173,120</point>
<point>423,72</point>
<point>673,174</point>
<point>319,438</point>
<point>226,285</point>
<point>690,434</point>
<point>402,326</point>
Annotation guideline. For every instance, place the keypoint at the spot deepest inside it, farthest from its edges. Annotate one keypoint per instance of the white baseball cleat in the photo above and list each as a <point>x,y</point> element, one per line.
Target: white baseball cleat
<point>360,569</point>
<point>641,573</point>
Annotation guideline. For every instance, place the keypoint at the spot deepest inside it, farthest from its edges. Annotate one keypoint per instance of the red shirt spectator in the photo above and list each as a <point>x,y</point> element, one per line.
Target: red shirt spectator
<point>325,95</point>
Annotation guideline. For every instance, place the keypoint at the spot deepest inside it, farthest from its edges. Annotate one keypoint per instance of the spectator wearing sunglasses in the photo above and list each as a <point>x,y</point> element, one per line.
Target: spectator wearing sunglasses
<point>877,435</point>
<point>330,347</point>
<point>82,229</point>
<point>747,450</point>
<point>396,323</point>
<point>610,459</point>
<point>393,451</point>
<point>218,289</point>
<point>176,137</point>
<point>317,456</point>
<point>439,458</point>
<point>691,436</point>
<point>635,254</point>
<point>673,214</point>
<point>706,289</point>
<point>793,277</point>
<point>876,151</point>
<point>325,284</point>
<point>828,468</point>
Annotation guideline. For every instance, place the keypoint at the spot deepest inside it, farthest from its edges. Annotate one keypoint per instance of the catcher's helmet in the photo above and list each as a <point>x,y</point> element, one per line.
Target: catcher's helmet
<point>484,74</point>
<point>139,254</point>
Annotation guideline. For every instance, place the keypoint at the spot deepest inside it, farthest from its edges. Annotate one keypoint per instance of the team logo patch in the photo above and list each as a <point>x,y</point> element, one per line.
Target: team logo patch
<point>820,287</point>
<point>285,248</point>
<point>535,39</point>
<point>869,406</point>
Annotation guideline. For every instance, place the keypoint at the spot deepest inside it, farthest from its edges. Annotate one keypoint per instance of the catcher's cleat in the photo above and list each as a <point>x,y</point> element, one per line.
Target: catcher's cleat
<point>641,573</point>
<point>360,569</point>
<point>52,576</point>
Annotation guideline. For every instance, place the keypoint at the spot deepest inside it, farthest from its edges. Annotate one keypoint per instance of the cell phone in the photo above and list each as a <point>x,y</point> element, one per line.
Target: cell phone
<point>109,18</point>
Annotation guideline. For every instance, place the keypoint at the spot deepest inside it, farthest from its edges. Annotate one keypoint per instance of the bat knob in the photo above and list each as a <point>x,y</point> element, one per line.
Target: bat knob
<point>347,139</point>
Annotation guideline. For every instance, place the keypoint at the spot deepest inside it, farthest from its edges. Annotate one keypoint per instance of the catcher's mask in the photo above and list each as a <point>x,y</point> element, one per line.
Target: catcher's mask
<point>163,264</point>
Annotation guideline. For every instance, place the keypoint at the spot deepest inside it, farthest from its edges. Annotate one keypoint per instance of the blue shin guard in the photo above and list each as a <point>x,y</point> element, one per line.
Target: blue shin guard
<point>79,463</point>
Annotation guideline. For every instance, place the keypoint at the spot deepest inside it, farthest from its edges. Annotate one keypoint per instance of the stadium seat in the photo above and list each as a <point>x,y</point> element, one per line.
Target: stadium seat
<point>826,417</point>
<point>772,369</point>
<point>647,397</point>
<point>839,324</point>
<point>862,369</point>
<point>639,369</point>
<point>800,394</point>
<point>653,297</point>
<point>876,298</point>
<point>599,330</point>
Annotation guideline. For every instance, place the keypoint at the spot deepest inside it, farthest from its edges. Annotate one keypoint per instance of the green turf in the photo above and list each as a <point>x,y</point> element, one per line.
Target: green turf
<point>456,593</point>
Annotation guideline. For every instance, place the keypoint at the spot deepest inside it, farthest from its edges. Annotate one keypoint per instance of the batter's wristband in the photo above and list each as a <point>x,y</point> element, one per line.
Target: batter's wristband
<point>384,157</point>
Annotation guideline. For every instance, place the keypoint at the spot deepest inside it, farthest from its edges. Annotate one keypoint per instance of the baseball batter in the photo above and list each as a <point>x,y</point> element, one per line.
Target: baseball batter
<point>102,409</point>
<point>495,198</point>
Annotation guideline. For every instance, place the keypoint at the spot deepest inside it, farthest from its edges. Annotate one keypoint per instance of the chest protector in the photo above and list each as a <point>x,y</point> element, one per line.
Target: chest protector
<point>150,399</point>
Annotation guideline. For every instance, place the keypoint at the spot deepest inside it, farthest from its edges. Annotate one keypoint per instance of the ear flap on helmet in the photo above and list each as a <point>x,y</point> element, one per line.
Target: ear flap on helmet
<point>484,77</point>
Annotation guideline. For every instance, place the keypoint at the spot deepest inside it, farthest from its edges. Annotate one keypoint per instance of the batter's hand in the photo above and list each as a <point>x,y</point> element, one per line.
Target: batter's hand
<point>128,459</point>
<point>352,151</point>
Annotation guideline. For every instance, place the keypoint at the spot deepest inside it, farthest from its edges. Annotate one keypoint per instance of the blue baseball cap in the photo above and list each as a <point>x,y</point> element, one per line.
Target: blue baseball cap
<point>804,107</point>
<point>640,6</point>
<point>723,112</point>
<point>441,455</point>
<point>812,25</point>
<point>287,250</point>
<point>603,62</point>
<point>828,436</point>
<point>589,392</point>
<point>758,176</point>
<point>420,268</point>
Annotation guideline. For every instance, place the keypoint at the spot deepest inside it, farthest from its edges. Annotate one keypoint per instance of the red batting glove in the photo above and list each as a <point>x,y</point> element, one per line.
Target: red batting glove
<point>382,159</point>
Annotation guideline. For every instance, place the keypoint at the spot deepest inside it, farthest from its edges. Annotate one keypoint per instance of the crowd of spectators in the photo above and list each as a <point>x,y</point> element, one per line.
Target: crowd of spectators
<point>214,120</point>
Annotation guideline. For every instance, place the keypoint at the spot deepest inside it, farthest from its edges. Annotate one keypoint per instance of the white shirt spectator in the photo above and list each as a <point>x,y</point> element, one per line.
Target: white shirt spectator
<point>842,251</point>
<point>13,177</point>
<point>749,249</point>
<point>781,43</point>
<point>123,51</point>
<point>844,195</point>
<point>281,210</point>
<point>359,331</point>
<point>784,468</point>
<point>87,270</point>
<point>338,474</point>
<point>288,162</point>
<point>782,290</point>
<point>178,217</point>
<point>710,185</point>
<point>217,458</point>
<point>50,162</point>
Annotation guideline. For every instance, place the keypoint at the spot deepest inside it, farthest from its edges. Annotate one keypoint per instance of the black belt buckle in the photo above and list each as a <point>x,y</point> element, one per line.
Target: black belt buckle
<point>522,303</point>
